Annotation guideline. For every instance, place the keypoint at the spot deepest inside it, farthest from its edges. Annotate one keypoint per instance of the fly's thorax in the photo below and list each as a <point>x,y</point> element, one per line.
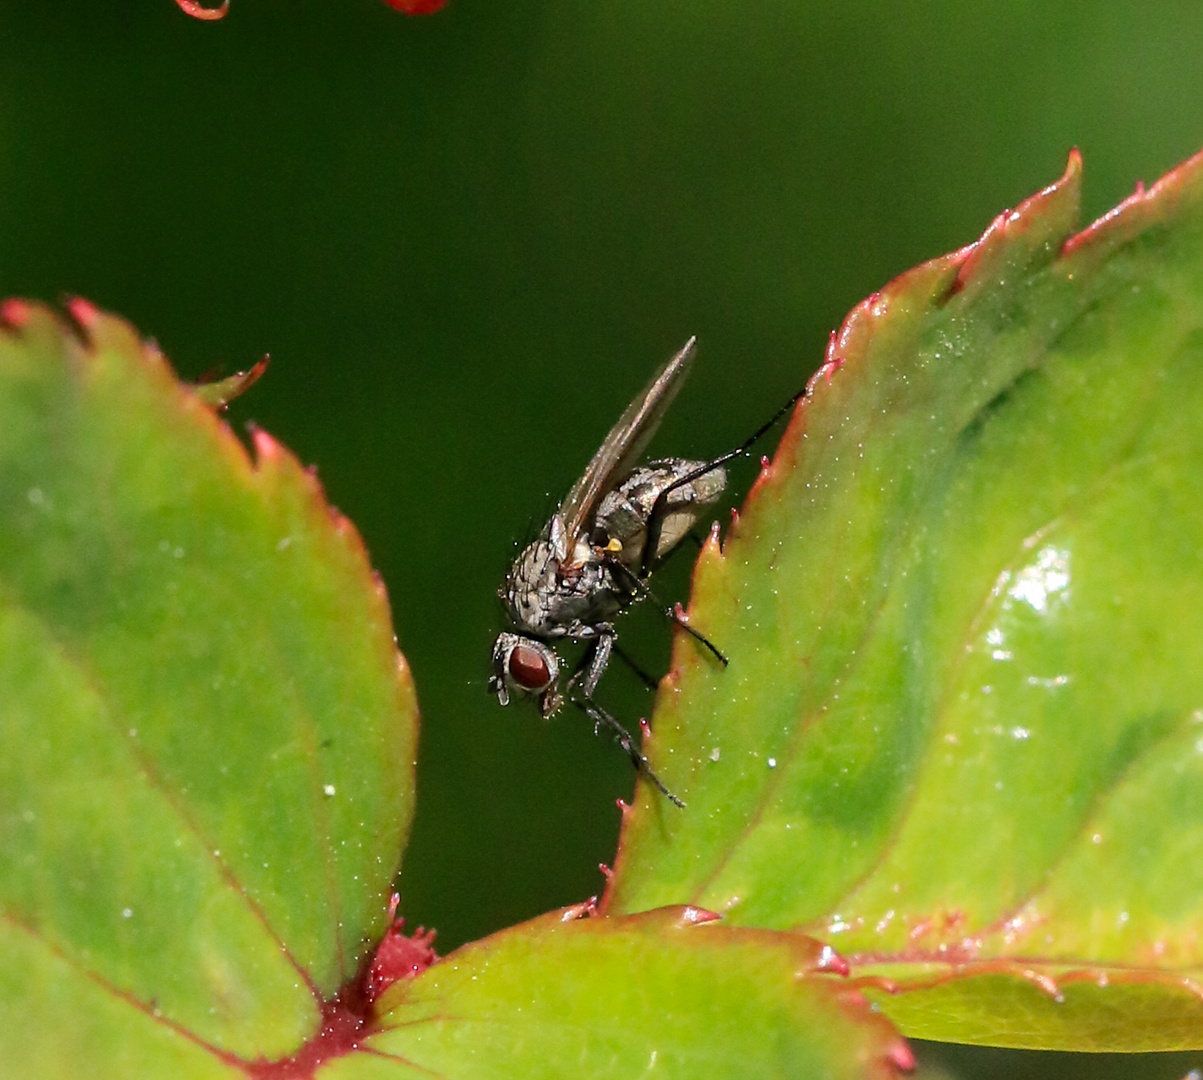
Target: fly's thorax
<point>532,576</point>
<point>624,513</point>
<point>551,596</point>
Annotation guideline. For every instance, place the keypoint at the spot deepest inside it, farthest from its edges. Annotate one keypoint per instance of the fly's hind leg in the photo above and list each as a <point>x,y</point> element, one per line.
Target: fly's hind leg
<point>655,521</point>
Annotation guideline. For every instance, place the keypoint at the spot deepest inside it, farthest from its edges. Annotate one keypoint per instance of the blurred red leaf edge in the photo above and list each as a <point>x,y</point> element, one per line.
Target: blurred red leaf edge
<point>211,14</point>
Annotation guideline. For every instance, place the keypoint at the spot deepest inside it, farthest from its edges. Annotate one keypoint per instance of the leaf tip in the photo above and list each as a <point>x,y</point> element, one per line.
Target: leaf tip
<point>219,393</point>
<point>1132,215</point>
<point>1045,218</point>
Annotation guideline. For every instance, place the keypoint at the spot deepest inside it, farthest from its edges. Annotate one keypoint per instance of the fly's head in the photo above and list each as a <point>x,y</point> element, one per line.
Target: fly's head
<point>525,666</point>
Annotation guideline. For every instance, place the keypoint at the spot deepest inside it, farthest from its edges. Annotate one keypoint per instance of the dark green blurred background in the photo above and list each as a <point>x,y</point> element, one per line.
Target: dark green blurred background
<point>468,239</point>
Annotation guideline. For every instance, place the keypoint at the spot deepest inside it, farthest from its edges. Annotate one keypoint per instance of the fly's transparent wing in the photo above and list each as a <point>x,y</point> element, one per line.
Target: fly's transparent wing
<point>624,446</point>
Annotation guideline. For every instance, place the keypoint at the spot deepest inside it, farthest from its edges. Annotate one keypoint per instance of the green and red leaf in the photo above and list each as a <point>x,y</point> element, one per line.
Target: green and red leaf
<point>961,734</point>
<point>672,992</point>
<point>209,736</point>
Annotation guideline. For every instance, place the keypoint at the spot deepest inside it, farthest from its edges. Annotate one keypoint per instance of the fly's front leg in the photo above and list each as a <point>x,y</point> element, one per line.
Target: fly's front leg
<point>601,719</point>
<point>655,521</point>
<point>637,585</point>
<point>595,661</point>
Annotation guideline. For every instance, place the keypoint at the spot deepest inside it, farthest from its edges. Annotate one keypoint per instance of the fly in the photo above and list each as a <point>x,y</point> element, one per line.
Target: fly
<point>592,560</point>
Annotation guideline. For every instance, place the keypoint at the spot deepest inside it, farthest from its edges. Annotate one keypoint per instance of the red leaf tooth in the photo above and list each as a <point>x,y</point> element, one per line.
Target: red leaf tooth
<point>1138,209</point>
<point>901,1056</point>
<point>692,915</point>
<point>83,312</point>
<point>398,956</point>
<point>586,909</point>
<point>266,448</point>
<point>416,7</point>
<point>830,960</point>
<point>211,14</point>
<point>603,902</point>
<point>14,312</point>
<point>205,14</point>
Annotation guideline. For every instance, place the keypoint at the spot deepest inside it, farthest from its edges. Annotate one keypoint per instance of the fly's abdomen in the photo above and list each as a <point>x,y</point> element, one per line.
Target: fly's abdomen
<point>625,512</point>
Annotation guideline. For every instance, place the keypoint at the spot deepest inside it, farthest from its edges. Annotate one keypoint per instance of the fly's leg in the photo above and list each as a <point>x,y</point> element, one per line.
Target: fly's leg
<point>585,679</point>
<point>595,661</point>
<point>638,585</point>
<point>655,521</point>
<point>601,719</point>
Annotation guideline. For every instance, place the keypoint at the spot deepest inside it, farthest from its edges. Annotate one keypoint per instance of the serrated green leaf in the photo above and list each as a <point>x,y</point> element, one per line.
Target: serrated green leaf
<point>961,735</point>
<point>208,734</point>
<point>619,997</point>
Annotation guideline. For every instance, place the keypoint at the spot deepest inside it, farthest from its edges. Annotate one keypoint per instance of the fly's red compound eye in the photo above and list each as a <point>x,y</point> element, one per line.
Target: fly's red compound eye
<point>529,668</point>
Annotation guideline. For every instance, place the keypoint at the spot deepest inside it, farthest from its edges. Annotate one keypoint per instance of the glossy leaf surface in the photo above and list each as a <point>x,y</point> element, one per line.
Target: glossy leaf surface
<point>961,735</point>
<point>208,734</point>
<point>620,997</point>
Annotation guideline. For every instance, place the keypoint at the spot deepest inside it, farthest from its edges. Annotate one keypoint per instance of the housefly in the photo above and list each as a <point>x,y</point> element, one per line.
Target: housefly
<point>594,556</point>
